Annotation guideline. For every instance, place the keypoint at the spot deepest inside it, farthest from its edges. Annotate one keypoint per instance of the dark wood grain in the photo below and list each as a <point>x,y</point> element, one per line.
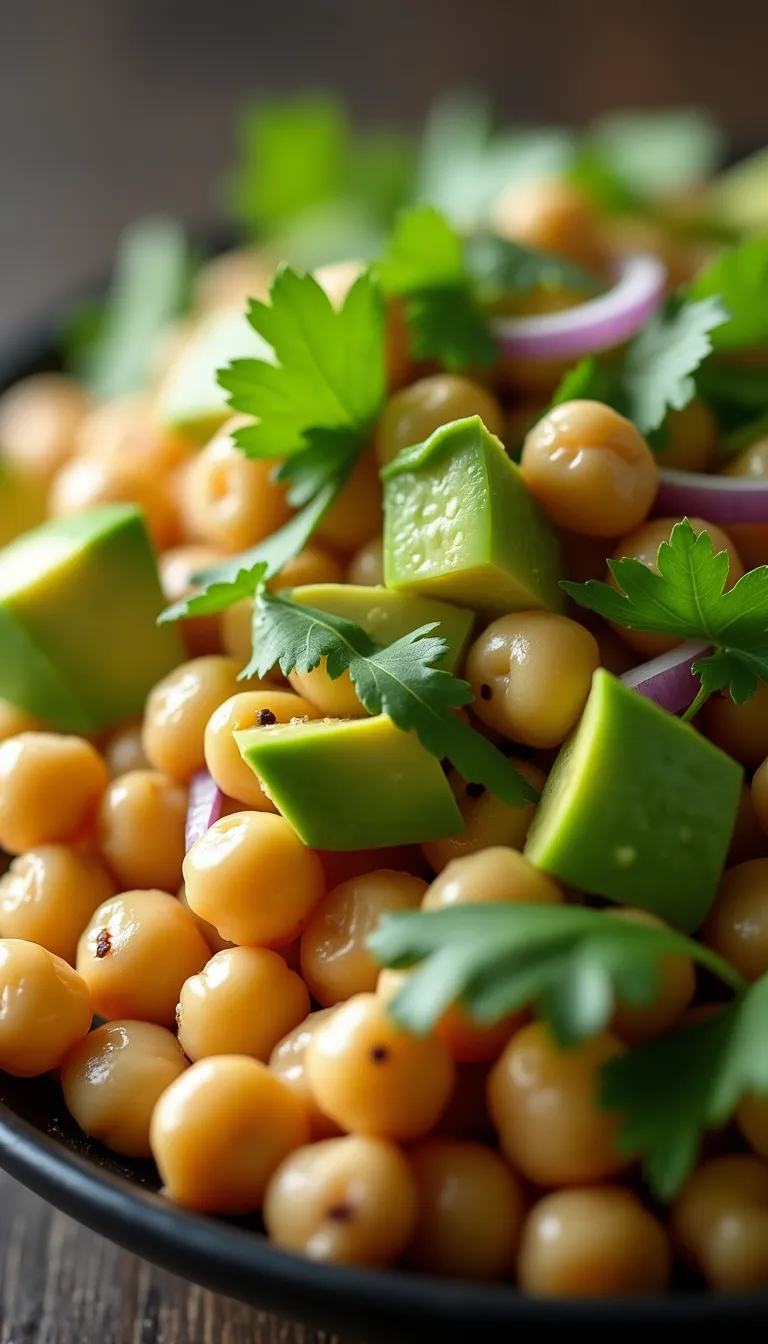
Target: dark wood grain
<point>61,1284</point>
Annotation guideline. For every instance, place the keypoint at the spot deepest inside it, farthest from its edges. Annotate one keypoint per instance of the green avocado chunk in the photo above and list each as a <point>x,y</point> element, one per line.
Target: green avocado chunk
<point>79,601</point>
<point>22,503</point>
<point>387,616</point>
<point>459,524</point>
<point>352,783</point>
<point>190,398</point>
<point>639,808</point>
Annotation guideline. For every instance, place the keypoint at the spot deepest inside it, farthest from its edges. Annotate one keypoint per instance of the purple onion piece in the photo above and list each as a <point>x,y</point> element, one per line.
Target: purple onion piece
<point>719,499</point>
<point>668,679</point>
<point>204,807</point>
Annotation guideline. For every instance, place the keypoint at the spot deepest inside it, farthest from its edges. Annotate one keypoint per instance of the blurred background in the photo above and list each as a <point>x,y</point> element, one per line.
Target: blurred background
<point>114,108</point>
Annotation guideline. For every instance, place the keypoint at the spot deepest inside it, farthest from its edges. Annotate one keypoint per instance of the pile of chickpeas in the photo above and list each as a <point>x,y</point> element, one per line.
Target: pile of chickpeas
<point>243,1038</point>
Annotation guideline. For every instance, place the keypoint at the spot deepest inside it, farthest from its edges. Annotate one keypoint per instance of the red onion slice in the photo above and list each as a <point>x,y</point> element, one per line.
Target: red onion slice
<point>204,807</point>
<point>598,324</point>
<point>719,499</point>
<point>668,679</point>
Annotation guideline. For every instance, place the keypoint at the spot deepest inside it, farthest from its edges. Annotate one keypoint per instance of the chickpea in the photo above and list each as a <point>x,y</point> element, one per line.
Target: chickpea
<point>86,482</point>
<point>589,469</point>
<point>39,418</point>
<point>253,879</point>
<point>635,1023</point>
<point>246,710</point>
<point>544,1103</point>
<point>141,830</point>
<point>14,721</point>
<point>334,699</point>
<point>211,935</point>
<point>371,1077</point>
<point>691,438</point>
<point>136,953</point>
<point>242,1003</point>
<point>348,1201</point>
<point>492,875</point>
<point>487,820</point>
<point>237,631</point>
<point>201,634</point>
<point>741,730</point>
<point>737,923</point>
<point>749,835</point>
<point>124,428</point>
<point>233,278</point>
<point>228,499</point>
<point>643,545</point>
<point>465,1041</point>
<point>288,1061</point>
<point>752,1120</point>
<point>312,565</point>
<point>410,416</point>
<point>356,516</point>
<point>335,960</point>
<point>759,797</point>
<point>336,279</point>
<point>178,709</point>
<point>112,1080</point>
<point>46,1008</point>
<point>530,674</point>
<point>593,1243</point>
<point>751,461</point>
<point>366,567</point>
<point>552,216</point>
<point>123,750</point>
<point>750,538</point>
<point>220,1131</point>
<point>48,896</point>
<point>720,1222</point>
<point>50,787</point>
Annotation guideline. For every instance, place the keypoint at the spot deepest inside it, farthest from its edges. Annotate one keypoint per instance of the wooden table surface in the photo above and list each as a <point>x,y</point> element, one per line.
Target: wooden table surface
<point>62,1284</point>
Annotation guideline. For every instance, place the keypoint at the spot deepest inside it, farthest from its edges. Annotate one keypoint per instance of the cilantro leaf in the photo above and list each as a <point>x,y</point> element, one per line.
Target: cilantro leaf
<point>740,276</point>
<point>501,266</point>
<point>239,582</point>
<point>402,681</point>
<point>571,963</point>
<point>686,599</point>
<point>591,380</point>
<point>701,1074</point>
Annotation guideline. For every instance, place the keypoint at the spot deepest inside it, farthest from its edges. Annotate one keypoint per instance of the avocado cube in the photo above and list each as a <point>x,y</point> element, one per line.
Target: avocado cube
<point>638,808</point>
<point>190,399</point>
<point>387,616</point>
<point>459,524</point>
<point>352,783</point>
<point>22,503</point>
<point>79,599</point>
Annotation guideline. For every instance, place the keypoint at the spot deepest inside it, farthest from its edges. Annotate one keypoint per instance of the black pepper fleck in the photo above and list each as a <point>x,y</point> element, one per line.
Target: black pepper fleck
<point>475,790</point>
<point>379,1054</point>
<point>103,944</point>
<point>485,691</point>
<point>265,718</point>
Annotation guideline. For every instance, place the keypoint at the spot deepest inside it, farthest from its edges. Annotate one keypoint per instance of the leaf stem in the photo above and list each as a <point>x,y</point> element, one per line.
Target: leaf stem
<point>696,705</point>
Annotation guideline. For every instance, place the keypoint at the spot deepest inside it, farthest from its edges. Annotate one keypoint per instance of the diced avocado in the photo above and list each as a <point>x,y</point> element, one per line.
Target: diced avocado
<point>352,783</point>
<point>22,503</point>
<point>386,616</point>
<point>638,808</point>
<point>459,524</point>
<point>190,399</point>
<point>739,196</point>
<point>79,601</point>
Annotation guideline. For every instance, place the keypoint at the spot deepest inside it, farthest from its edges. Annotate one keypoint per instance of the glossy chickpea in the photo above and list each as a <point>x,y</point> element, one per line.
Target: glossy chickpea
<point>136,953</point>
<point>50,788</point>
<point>201,634</point>
<point>349,1201</point>
<point>466,1042</point>
<point>288,1061</point>
<point>14,721</point>
<point>333,698</point>
<point>356,515</point>
<point>495,875</point>
<point>410,416</point>
<point>544,1104</point>
<point>691,436</point>
<point>371,1077</point>
<point>248,709</point>
<point>367,566</point>
<point>39,418</point>
<point>750,834</point>
<point>46,1009</point>
<point>643,545</point>
<point>720,1222</point>
<point>598,1242</point>
<point>335,960</point>
<point>49,894</point>
<point>312,565</point>
<point>178,709</point>
<point>211,935</point>
<point>750,538</point>
<point>253,879</point>
<point>229,500</point>
<point>221,1130</point>
<point>87,482</point>
<point>243,1002</point>
<point>113,1079</point>
<point>141,830</point>
<point>551,215</point>
<point>233,278</point>
<point>123,750</point>
<point>635,1023</point>
<point>530,674</point>
<point>741,730</point>
<point>737,923</point>
<point>487,820</point>
<point>590,469</point>
<point>125,428</point>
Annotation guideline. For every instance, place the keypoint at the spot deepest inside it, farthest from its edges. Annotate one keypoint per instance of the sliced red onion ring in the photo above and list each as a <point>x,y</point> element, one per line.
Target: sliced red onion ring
<point>668,679</point>
<point>719,499</point>
<point>204,806</point>
<point>595,325</point>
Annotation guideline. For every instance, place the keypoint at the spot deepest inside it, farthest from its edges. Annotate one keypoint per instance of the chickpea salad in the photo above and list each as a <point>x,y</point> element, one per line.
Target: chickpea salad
<point>384,704</point>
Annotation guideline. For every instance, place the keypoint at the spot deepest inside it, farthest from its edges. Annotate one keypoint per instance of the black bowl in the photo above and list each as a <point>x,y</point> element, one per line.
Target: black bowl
<point>42,1147</point>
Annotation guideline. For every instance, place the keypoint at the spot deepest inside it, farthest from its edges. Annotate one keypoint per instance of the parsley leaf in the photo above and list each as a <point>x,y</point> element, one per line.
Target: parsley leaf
<point>740,276</point>
<point>402,681</point>
<point>240,581</point>
<point>700,1074</point>
<point>501,266</point>
<point>571,963</point>
<point>686,600</point>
